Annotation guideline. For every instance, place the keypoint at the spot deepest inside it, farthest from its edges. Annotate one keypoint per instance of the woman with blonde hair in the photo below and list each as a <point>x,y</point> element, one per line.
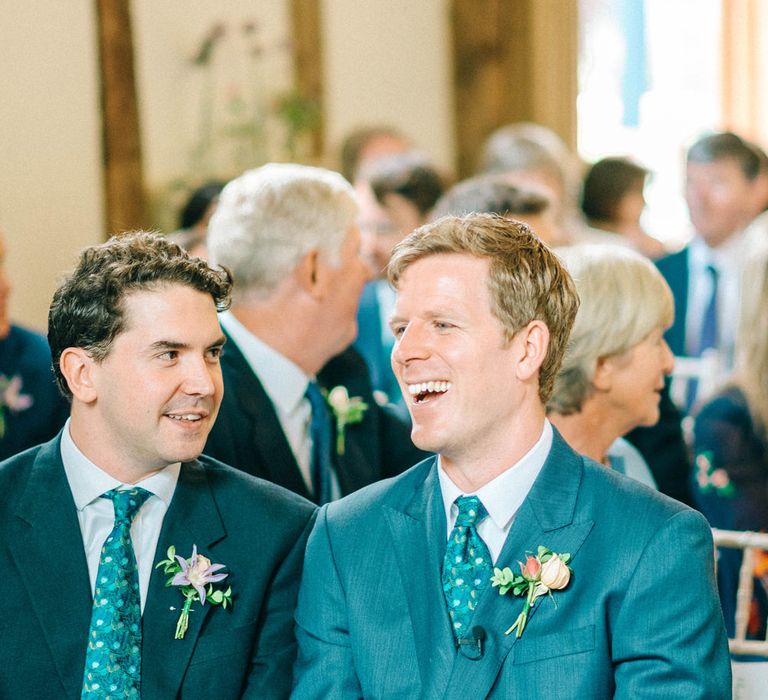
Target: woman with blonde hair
<point>730,442</point>
<point>617,359</point>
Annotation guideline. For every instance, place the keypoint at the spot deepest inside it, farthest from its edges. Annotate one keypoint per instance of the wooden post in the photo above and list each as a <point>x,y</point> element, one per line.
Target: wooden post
<point>308,63</point>
<point>514,60</point>
<point>125,203</point>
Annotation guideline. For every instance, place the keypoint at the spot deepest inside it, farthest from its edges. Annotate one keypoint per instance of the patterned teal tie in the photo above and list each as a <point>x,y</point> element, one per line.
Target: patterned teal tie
<point>113,659</point>
<point>467,567</point>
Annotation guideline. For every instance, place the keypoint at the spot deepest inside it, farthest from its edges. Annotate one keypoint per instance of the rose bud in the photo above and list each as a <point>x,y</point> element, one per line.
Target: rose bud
<point>555,574</point>
<point>530,569</point>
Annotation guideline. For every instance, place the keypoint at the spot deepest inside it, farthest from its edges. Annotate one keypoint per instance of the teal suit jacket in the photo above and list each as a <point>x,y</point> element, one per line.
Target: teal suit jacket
<point>640,617</point>
<point>257,529</point>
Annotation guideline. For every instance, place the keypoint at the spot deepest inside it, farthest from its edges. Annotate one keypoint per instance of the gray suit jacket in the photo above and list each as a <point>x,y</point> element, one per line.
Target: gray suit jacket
<point>639,619</point>
<point>257,529</point>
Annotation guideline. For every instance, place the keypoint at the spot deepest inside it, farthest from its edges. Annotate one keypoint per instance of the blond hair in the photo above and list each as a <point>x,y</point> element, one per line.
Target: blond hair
<point>623,298</point>
<point>751,365</point>
<point>526,281</point>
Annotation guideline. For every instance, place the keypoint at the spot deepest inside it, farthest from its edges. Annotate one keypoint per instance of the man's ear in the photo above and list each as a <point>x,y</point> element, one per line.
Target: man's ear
<point>307,273</point>
<point>533,342</point>
<point>78,367</point>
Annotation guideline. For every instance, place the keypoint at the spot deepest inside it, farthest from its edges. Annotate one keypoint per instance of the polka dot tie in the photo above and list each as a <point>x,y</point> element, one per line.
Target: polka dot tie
<point>113,658</point>
<point>467,567</point>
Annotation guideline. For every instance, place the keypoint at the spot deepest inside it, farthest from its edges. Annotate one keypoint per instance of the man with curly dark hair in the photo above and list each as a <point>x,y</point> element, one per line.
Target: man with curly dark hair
<point>135,341</point>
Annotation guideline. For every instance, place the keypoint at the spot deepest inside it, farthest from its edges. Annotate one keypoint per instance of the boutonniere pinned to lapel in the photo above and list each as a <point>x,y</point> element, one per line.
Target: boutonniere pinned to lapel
<point>192,576</point>
<point>711,479</point>
<point>11,398</point>
<point>540,575</point>
<point>347,410</point>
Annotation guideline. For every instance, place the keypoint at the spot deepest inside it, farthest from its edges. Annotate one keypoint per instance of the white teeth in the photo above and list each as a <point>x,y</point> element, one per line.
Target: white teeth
<point>431,387</point>
<point>189,417</point>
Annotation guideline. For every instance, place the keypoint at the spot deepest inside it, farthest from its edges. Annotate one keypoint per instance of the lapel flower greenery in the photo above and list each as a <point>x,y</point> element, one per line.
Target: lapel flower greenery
<point>347,410</point>
<point>540,575</point>
<point>11,399</point>
<point>192,575</point>
<point>711,479</point>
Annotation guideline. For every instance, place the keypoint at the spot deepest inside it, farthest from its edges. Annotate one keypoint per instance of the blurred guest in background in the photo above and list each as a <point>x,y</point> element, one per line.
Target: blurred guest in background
<point>534,157</point>
<point>396,194</point>
<point>723,185</point>
<point>613,199</point>
<point>494,194</point>
<point>368,143</point>
<point>407,186</point>
<point>289,235</point>
<point>616,362</point>
<point>194,218</point>
<point>730,440</point>
<point>31,408</point>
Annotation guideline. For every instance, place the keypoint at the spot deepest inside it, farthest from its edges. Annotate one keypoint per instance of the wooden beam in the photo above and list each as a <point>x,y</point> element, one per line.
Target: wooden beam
<point>513,60</point>
<point>123,177</point>
<point>306,31</point>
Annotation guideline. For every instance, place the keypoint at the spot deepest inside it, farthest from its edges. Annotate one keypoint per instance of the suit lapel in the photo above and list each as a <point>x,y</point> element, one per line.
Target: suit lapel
<point>269,441</point>
<point>547,517</point>
<point>192,519</point>
<point>48,551</point>
<point>418,538</point>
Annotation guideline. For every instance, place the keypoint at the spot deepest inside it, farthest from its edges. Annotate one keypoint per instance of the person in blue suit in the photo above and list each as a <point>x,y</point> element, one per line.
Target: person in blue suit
<point>401,591</point>
<point>724,192</point>
<point>86,518</point>
<point>31,408</point>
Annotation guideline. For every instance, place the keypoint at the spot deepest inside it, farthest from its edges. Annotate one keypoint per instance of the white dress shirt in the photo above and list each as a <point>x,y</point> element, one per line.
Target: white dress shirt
<point>286,385</point>
<point>96,515</point>
<point>727,260</point>
<point>502,497</point>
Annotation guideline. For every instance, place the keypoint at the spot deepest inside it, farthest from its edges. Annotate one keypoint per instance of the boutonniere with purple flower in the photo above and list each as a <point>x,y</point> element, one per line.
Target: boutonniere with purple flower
<point>347,410</point>
<point>540,575</point>
<point>192,576</point>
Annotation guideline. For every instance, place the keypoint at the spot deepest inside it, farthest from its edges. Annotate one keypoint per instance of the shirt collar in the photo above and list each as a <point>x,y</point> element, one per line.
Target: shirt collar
<point>502,496</point>
<point>727,254</point>
<point>284,381</point>
<point>88,482</point>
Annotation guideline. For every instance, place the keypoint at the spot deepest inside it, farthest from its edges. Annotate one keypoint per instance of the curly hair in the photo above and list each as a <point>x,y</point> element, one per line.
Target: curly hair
<point>87,310</point>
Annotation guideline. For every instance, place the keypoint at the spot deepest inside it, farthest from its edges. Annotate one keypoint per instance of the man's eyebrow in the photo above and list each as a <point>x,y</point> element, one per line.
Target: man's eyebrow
<point>178,345</point>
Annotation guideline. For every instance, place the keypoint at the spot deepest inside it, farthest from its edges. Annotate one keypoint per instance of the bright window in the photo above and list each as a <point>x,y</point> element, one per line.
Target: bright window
<point>649,84</point>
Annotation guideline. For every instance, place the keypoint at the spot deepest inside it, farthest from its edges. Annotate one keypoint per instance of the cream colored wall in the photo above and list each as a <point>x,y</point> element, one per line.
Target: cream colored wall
<point>384,62</point>
<point>389,63</point>
<point>50,185</point>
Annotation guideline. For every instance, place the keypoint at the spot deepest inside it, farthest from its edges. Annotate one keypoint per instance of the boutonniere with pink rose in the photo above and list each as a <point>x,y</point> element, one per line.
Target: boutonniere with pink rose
<point>192,576</point>
<point>540,575</point>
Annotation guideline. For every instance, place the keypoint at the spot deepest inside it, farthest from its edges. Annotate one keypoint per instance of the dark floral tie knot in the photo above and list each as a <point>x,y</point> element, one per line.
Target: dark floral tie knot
<point>471,511</point>
<point>127,503</point>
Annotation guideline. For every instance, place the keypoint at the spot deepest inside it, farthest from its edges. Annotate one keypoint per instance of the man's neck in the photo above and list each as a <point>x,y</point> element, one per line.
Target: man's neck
<point>89,440</point>
<point>471,470</point>
<point>284,331</point>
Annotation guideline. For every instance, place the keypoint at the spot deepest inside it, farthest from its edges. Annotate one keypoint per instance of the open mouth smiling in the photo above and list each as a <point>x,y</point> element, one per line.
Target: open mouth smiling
<point>426,391</point>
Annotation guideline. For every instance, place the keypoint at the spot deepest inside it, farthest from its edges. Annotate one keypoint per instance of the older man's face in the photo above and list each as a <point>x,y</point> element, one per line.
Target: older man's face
<point>341,289</point>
